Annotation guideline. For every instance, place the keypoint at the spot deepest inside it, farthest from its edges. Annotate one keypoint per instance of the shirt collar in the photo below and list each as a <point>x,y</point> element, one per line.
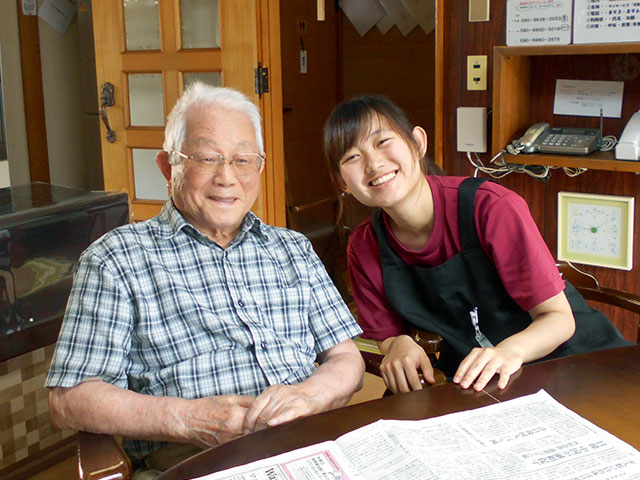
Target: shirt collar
<point>171,222</point>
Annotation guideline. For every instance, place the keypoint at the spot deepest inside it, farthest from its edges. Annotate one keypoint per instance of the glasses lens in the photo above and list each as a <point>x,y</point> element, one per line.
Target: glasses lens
<point>207,163</point>
<point>246,163</point>
<point>242,163</point>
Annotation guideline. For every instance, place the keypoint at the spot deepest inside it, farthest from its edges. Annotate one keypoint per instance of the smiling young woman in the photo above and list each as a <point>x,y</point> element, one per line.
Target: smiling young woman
<point>438,254</point>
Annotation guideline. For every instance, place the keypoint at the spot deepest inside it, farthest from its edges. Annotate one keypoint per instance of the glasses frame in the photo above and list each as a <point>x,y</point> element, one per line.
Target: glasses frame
<point>222,160</point>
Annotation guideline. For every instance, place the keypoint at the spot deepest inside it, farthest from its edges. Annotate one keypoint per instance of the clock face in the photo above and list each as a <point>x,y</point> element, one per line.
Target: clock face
<point>594,229</point>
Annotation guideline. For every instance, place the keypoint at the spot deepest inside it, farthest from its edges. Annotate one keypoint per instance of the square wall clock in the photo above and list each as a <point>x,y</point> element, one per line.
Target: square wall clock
<point>596,229</point>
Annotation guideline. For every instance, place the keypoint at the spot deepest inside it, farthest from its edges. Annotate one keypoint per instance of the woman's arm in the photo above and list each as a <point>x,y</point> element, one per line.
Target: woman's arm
<point>552,324</point>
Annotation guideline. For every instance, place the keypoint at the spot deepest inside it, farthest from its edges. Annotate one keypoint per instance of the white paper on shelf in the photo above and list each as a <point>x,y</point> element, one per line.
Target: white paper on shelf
<point>587,97</point>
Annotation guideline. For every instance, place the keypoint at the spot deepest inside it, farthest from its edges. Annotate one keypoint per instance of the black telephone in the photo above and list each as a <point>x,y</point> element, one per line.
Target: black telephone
<point>542,138</point>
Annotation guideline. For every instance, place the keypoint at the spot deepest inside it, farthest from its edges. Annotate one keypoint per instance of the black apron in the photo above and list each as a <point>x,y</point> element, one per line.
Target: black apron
<point>465,302</point>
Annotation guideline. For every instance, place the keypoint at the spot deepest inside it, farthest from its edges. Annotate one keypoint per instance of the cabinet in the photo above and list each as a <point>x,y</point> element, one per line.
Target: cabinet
<point>43,230</point>
<point>524,87</point>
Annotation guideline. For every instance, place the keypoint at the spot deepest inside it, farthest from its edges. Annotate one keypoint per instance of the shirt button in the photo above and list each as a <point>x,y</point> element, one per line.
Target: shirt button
<point>263,345</point>
<point>240,303</point>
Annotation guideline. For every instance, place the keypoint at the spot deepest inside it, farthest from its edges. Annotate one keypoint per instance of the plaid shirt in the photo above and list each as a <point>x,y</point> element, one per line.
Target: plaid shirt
<point>160,309</point>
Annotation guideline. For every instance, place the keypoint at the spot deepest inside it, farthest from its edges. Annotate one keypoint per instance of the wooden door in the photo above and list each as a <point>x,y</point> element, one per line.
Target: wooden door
<point>148,50</point>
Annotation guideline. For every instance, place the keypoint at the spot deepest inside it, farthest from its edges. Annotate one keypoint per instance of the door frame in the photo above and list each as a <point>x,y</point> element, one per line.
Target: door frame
<point>269,55</point>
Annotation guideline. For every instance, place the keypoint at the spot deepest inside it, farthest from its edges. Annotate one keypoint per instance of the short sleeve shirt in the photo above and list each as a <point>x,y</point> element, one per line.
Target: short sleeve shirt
<point>506,231</point>
<point>160,309</point>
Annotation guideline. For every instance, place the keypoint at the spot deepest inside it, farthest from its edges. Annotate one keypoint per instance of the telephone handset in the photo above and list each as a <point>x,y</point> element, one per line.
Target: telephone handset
<point>542,138</point>
<point>628,147</point>
<point>529,141</point>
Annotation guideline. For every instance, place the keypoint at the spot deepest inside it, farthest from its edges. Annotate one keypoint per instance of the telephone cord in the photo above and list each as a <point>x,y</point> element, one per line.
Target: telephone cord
<point>503,169</point>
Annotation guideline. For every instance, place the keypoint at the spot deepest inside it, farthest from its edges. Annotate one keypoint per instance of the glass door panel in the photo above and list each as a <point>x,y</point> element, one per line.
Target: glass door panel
<point>150,184</point>
<point>209,78</point>
<point>146,102</point>
<point>200,23</point>
<point>142,24</point>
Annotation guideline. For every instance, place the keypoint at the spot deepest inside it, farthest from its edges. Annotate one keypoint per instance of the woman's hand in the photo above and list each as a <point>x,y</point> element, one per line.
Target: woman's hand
<point>483,363</point>
<point>403,364</point>
<point>552,324</point>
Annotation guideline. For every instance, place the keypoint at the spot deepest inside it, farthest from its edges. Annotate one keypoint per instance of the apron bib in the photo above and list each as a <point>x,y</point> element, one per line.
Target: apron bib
<point>465,302</point>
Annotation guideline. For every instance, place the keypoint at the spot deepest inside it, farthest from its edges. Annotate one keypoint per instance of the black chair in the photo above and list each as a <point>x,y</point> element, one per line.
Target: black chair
<point>589,287</point>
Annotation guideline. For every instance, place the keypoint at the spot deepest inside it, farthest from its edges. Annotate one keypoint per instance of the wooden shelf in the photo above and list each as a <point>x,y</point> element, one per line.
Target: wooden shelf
<point>574,49</point>
<point>523,94</point>
<point>595,161</point>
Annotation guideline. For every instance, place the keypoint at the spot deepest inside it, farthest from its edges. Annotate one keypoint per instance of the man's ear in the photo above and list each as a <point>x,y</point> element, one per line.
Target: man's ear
<point>162,160</point>
<point>421,137</point>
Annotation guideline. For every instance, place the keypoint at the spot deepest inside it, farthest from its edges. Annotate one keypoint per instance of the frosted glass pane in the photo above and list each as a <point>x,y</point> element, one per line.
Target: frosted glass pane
<point>142,24</point>
<point>209,78</point>
<point>149,182</point>
<point>200,24</point>
<point>146,102</point>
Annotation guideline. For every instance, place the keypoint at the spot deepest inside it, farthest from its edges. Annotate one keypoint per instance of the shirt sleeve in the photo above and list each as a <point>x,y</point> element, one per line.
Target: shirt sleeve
<point>513,242</point>
<point>329,317</point>
<point>375,315</point>
<point>95,337</point>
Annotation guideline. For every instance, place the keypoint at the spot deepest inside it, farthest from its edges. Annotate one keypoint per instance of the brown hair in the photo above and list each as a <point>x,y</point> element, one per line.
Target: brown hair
<point>349,122</point>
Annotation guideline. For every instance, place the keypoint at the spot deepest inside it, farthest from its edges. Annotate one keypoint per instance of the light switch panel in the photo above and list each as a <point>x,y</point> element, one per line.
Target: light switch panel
<point>478,10</point>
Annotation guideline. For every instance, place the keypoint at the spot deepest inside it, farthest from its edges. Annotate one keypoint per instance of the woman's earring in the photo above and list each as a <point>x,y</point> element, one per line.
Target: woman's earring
<point>169,188</point>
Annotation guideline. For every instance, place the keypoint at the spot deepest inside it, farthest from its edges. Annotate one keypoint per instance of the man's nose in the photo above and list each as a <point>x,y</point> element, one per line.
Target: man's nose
<point>225,173</point>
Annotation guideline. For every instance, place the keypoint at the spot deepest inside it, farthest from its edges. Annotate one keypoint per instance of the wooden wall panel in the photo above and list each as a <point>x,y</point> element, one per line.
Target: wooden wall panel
<point>307,98</point>
<point>461,38</point>
<point>401,68</point>
<point>342,64</point>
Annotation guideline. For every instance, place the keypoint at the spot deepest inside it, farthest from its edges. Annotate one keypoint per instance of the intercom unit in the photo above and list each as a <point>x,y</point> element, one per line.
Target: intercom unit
<point>472,129</point>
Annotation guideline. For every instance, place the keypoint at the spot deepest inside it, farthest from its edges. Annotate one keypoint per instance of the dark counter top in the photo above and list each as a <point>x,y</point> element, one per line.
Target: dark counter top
<point>43,230</point>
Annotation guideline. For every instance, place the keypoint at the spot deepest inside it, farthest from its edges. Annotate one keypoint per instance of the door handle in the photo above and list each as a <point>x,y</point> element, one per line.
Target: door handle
<point>107,100</point>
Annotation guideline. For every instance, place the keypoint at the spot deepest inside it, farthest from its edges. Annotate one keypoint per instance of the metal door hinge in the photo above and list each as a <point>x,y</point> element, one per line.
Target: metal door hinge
<point>261,79</point>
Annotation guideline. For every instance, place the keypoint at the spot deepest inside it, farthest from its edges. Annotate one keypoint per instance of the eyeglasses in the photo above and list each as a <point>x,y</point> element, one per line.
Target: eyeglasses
<point>209,163</point>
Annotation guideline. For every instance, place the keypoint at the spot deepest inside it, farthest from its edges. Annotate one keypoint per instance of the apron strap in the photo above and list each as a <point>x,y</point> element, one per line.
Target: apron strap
<point>467,225</point>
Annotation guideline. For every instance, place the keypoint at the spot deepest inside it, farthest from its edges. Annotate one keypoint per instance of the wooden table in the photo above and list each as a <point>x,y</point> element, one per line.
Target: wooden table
<point>603,387</point>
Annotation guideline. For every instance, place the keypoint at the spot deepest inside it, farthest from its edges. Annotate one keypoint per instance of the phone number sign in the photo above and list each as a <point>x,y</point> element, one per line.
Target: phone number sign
<point>539,22</point>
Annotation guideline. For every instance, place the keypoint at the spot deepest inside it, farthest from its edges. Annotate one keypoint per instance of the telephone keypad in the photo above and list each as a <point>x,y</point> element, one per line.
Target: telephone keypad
<point>577,141</point>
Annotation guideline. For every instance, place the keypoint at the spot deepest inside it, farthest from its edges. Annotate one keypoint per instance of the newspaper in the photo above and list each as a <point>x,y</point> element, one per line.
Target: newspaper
<point>531,437</point>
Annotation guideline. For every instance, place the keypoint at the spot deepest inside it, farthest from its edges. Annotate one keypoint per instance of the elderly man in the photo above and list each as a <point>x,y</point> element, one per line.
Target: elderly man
<point>203,323</point>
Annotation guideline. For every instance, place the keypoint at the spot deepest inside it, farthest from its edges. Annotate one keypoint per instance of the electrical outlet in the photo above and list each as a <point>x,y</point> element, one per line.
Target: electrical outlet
<point>477,72</point>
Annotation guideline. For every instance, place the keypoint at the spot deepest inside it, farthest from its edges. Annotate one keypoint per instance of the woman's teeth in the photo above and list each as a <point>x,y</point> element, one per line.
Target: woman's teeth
<point>381,180</point>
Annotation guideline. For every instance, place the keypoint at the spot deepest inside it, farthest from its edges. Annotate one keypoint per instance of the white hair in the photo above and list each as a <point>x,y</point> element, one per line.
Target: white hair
<point>199,94</point>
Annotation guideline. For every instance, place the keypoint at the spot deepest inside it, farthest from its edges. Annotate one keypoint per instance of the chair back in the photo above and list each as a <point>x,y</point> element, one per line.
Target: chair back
<point>100,457</point>
<point>589,287</point>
